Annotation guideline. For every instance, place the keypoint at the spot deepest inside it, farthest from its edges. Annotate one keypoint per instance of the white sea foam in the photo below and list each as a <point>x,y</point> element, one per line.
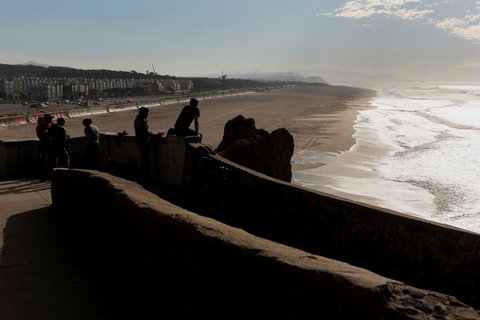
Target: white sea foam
<point>417,151</point>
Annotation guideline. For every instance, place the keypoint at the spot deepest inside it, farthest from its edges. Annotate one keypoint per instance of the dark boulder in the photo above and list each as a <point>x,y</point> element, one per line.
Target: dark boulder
<point>268,153</point>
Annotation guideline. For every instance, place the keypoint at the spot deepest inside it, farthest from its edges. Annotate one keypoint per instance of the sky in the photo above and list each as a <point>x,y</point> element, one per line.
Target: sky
<point>419,40</point>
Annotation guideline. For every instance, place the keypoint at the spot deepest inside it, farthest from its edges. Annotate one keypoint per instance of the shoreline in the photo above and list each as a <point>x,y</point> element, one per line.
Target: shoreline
<point>320,118</point>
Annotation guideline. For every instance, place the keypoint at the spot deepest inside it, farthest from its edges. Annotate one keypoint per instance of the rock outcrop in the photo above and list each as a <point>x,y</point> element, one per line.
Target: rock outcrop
<point>268,153</point>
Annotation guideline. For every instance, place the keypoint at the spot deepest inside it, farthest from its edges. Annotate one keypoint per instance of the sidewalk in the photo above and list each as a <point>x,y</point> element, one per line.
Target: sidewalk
<point>21,196</point>
<point>41,275</point>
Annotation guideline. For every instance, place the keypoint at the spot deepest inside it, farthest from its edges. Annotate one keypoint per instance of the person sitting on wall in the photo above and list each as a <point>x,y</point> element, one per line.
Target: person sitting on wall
<point>188,114</point>
<point>92,149</point>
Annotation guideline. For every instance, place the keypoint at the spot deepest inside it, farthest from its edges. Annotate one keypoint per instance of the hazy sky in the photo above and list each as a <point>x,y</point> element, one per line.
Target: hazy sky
<point>417,39</point>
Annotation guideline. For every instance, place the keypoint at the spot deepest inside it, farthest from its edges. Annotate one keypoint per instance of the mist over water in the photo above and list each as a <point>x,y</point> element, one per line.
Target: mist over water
<point>417,151</point>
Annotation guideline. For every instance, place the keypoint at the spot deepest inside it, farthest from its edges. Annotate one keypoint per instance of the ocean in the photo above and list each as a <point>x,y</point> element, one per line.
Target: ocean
<point>417,152</point>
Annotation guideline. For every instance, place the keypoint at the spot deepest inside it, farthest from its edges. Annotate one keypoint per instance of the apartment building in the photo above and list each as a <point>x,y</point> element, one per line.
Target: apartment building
<point>50,89</point>
<point>7,88</point>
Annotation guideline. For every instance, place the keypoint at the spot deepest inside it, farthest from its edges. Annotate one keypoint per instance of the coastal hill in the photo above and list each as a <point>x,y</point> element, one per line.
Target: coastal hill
<point>199,83</point>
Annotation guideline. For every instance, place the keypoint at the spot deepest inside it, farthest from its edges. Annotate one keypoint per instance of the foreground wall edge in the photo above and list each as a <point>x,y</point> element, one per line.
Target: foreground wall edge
<point>175,262</point>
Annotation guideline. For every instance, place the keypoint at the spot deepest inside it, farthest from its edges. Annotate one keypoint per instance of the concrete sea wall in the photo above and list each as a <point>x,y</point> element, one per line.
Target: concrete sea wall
<point>118,155</point>
<point>165,261</point>
<point>18,159</point>
<point>424,254</point>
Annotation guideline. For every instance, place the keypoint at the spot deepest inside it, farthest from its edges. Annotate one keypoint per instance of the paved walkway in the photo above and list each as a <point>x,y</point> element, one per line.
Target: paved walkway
<point>41,277</point>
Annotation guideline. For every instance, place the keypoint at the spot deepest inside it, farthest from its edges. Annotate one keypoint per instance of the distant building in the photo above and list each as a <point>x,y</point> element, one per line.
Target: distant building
<point>46,89</point>
<point>186,85</point>
<point>46,92</point>
<point>7,88</point>
<point>75,91</point>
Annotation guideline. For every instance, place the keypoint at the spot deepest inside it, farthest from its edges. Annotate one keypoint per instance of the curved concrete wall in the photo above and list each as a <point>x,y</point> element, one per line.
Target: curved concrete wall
<point>18,159</point>
<point>418,252</point>
<point>118,155</point>
<point>169,262</point>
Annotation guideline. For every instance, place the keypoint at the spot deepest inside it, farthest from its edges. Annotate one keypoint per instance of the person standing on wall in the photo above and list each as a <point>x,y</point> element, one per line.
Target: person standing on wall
<point>92,149</point>
<point>44,124</point>
<point>143,137</point>
<point>60,147</point>
<point>188,114</point>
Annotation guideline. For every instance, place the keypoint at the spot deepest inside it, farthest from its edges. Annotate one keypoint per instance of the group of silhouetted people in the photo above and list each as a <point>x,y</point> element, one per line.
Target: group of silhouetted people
<point>190,113</point>
<point>54,142</point>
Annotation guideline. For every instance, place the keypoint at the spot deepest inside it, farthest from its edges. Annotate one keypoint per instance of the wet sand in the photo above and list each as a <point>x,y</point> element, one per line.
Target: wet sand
<point>319,117</point>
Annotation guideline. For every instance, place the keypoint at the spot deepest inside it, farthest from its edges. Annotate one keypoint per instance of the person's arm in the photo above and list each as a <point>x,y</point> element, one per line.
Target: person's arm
<point>87,135</point>
<point>63,137</point>
<point>197,126</point>
<point>146,129</point>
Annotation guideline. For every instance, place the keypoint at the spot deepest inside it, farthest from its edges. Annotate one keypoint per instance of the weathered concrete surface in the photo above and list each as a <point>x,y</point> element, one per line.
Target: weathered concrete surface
<point>172,263</point>
<point>18,159</point>
<point>415,251</point>
<point>118,155</point>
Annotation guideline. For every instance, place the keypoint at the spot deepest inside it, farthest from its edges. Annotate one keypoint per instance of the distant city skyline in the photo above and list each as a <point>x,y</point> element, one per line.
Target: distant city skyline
<point>420,40</point>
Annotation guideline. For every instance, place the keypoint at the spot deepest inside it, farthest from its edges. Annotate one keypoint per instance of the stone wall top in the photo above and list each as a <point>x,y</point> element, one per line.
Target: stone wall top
<point>181,264</point>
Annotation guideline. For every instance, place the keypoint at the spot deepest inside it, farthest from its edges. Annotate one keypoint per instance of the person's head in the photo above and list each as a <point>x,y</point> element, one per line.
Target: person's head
<point>143,112</point>
<point>86,122</point>
<point>47,117</point>
<point>61,121</point>
<point>194,102</point>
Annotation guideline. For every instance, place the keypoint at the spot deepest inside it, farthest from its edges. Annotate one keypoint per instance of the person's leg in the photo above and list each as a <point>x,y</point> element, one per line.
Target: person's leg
<point>50,161</point>
<point>96,156</point>
<point>88,157</point>
<point>63,159</point>
<point>42,161</point>
<point>144,173</point>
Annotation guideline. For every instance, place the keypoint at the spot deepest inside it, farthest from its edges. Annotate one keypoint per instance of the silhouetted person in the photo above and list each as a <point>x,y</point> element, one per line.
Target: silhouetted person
<point>188,114</point>
<point>60,145</point>
<point>92,149</point>
<point>143,137</point>
<point>44,146</point>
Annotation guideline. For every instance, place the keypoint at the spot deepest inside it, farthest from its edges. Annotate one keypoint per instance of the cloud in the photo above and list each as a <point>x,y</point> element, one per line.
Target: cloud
<point>469,65</point>
<point>12,58</point>
<point>466,26</point>
<point>360,9</point>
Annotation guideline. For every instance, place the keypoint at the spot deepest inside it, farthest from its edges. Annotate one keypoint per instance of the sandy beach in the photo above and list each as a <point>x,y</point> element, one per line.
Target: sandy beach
<point>319,117</point>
